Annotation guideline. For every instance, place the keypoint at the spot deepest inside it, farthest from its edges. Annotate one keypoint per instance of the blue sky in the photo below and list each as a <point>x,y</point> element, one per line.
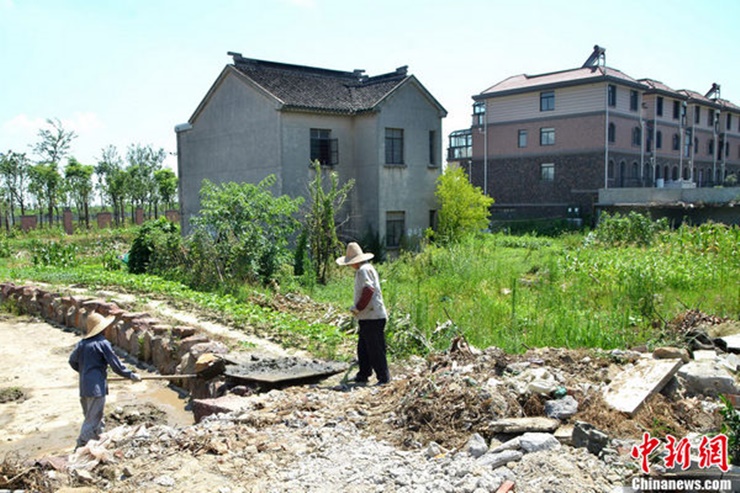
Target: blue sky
<point>126,72</point>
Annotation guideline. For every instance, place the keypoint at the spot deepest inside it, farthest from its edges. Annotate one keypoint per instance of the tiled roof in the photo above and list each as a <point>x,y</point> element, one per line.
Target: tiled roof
<point>310,88</point>
<point>524,82</point>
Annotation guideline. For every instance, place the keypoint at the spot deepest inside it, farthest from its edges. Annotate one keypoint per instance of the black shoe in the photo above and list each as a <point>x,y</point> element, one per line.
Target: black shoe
<point>358,379</point>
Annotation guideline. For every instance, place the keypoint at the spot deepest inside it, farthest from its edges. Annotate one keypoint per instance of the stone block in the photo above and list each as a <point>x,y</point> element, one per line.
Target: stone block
<point>187,343</point>
<point>146,349</point>
<point>708,378</point>
<point>162,355</point>
<point>585,435</point>
<point>181,332</point>
<point>523,425</point>
<point>226,404</point>
<point>629,389</point>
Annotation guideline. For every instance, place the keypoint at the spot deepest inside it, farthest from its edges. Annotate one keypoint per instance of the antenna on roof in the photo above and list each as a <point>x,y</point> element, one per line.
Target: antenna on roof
<point>713,92</point>
<point>599,53</point>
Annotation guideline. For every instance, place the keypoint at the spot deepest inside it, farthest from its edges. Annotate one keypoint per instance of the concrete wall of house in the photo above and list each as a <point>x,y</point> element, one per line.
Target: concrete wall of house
<point>296,141</point>
<point>410,188</point>
<point>235,138</point>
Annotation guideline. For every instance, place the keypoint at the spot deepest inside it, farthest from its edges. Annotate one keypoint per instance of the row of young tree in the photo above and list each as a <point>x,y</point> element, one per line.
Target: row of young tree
<point>39,185</point>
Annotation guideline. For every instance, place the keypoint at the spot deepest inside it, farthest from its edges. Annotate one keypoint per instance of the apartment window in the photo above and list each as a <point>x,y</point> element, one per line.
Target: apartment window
<point>727,148</point>
<point>696,144</point>
<point>676,109</point>
<point>710,117</point>
<point>433,148</point>
<point>659,140</point>
<point>547,172</point>
<point>612,132</point>
<point>324,149</point>
<point>522,138</point>
<point>710,147</point>
<point>433,219</point>
<point>611,92</point>
<point>634,99</point>
<point>659,106</point>
<point>395,225</point>
<point>729,121</point>
<point>547,101</point>
<point>697,114</point>
<point>676,142</point>
<point>393,146</point>
<point>636,136</point>
<point>547,136</point>
<point>479,113</point>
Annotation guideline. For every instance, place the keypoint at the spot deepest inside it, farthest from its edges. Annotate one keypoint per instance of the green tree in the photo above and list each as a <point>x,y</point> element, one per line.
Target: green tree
<point>320,221</point>
<point>241,233</point>
<point>45,183</point>
<point>112,181</point>
<point>78,182</point>
<point>166,186</point>
<point>53,145</point>
<point>14,171</point>
<point>463,208</point>
<point>54,142</point>
<point>143,162</point>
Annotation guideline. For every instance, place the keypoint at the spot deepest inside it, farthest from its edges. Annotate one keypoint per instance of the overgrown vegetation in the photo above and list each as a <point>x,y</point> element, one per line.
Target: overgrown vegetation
<point>463,208</point>
<point>613,288</point>
<point>731,429</point>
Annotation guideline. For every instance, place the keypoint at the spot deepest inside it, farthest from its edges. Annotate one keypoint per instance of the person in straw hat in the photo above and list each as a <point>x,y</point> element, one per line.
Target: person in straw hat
<point>90,358</point>
<point>370,312</point>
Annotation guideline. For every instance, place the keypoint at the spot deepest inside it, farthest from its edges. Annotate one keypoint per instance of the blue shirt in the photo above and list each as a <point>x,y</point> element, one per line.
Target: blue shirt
<point>90,359</point>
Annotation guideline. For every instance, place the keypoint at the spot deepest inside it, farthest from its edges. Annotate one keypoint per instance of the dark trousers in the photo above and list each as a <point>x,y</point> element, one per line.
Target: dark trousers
<point>371,350</point>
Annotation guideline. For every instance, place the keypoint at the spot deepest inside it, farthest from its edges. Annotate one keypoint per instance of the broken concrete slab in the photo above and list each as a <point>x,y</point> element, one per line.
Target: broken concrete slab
<point>732,343</point>
<point>226,404</point>
<point>628,391</point>
<point>708,378</point>
<point>523,425</point>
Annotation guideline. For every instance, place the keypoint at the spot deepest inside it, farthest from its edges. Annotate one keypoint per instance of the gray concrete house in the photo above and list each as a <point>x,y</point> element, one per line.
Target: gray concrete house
<point>261,118</point>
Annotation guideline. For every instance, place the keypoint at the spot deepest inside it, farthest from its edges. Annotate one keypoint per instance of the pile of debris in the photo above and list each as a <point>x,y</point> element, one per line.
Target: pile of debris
<point>461,420</point>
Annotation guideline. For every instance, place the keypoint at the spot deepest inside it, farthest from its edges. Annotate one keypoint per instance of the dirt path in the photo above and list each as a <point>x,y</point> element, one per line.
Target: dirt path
<point>33,357</point>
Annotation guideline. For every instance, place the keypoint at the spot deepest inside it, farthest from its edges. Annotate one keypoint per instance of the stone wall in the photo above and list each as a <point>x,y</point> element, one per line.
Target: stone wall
<point>169,349</point>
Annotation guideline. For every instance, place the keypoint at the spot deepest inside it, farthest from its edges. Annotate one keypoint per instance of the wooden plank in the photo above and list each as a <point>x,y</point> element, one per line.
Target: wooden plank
<point>633,386</point>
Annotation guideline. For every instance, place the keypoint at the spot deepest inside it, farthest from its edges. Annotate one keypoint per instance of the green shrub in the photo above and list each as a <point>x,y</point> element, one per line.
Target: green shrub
<point>156,249</point>
<point>53,253</point>
<point>632,229</point>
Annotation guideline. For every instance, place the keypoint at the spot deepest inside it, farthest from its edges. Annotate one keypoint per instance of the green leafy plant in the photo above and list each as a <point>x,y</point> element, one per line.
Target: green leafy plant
<point>156,248</point>
<point>463,208</point>
<point>731,428</point>
<point>53,253</point>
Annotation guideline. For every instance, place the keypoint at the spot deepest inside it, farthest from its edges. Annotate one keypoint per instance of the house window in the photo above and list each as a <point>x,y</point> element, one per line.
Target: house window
<point>479,113</point>
<point>547,101</point>
<point>393,146</point>
<point>636,136</point>
<point>710,117</point>
<point>395,225</point>
<point>633,100</point>
<point>659,106</point>
<point>522,140</point>
<point>696,144</point>
<point>324,149</point>
<point>547,136</point>
<point>697,114</point>
<point>612,132</point>
<point>676,142</point>
<point>659,140</point>
<point>687,143</point>
<point>676,109</point>
<point>710,147</point>
<point>611,92</point>
<point>729,121</point>
<point>433,219</point>
<point>547,172</point>
<point>433,148</point>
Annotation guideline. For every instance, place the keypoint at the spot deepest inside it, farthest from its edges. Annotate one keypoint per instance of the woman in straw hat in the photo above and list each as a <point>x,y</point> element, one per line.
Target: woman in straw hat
<point>90,358</point>
<point>370,313</point>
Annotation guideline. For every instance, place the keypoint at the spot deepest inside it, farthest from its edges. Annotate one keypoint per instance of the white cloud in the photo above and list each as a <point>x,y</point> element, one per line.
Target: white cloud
<point>82,123</point>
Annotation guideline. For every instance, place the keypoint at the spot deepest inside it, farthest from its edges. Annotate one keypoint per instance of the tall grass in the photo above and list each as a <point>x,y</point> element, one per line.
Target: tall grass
<point>517,292</point>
